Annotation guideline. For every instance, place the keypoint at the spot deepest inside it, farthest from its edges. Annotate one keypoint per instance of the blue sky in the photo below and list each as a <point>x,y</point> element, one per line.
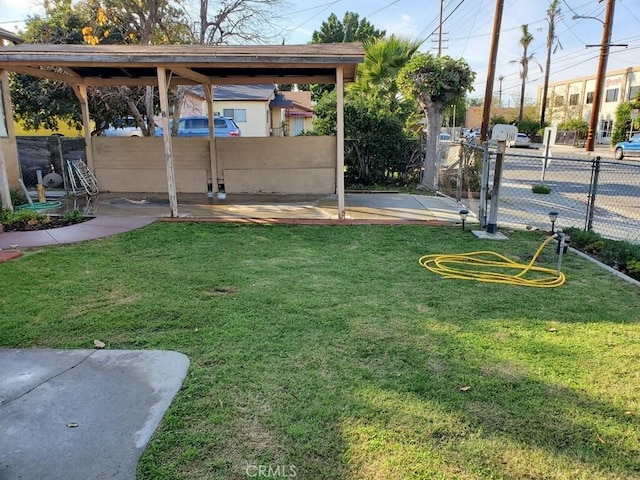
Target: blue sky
<point>468,26</point>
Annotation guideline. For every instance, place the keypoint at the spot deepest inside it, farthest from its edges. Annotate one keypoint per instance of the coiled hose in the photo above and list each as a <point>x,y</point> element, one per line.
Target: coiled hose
<point>478,266</point>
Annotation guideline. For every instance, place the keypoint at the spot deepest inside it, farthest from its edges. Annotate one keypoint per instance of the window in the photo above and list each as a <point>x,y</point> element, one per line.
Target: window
<point>589,98</point>
<point>574,98</point>
<point>606,125</point>
<point>558,101</point>
<point>239,115</point>
<point>612,95</point>
<point>633,91</point>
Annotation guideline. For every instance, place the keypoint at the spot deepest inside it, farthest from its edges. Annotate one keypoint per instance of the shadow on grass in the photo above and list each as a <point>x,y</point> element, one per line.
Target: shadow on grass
<point>470,412</point>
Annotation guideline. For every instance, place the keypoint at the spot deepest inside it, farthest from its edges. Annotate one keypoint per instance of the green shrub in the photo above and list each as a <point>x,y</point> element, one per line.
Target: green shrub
<point>575,125</point>
<point>74,216</point>
<point>615,253</point>
<point>540,188</point>
<point>20,216</point>
<point>17,198</point>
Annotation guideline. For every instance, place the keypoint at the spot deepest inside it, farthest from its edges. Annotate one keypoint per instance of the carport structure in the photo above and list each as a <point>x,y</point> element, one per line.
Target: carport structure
<point>84,66</point>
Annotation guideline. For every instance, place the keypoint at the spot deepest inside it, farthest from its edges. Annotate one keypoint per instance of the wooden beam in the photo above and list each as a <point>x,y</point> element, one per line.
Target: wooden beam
<point>213,154</point>
<point>234,80</point>
<point>191,75</point>
<point>340,142</point>
<point>81,93</point>
<point>49,74</point>
<point>166,137</point>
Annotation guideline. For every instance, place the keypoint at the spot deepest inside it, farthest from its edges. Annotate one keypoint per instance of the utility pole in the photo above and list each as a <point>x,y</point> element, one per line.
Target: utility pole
<point>491,71</point>
<point>500,79</point>
<point>600,78</point>
<point>440,29</point>
<point>441,33</point>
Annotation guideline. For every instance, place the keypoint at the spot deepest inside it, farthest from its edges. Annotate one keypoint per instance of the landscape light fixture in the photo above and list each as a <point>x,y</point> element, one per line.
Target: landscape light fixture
<point>463,216</point>
<point>553,216</point>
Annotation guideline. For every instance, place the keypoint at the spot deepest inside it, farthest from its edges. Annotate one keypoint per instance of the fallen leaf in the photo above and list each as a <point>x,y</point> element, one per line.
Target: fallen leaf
<point>600,439</point>
<point>628,412</point>
<point>72,425</point>
<point>98,344</point>
<point>552,329</point>
<point>466,388</point>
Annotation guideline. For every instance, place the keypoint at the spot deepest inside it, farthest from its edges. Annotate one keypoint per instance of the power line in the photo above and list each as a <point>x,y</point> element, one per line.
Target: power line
<point>444,20</point>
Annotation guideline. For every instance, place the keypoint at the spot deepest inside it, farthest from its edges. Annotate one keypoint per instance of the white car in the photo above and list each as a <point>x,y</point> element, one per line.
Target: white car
<point>521,140</point>
<point>123,127</point>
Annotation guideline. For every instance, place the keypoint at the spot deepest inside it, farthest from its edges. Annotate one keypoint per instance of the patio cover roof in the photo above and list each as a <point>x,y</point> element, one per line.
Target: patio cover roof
<point>83,66</point>
<point>190,64</point>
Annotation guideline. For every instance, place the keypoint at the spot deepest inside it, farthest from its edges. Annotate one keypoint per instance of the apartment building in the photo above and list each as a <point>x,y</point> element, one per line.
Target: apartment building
<point>574,99</point>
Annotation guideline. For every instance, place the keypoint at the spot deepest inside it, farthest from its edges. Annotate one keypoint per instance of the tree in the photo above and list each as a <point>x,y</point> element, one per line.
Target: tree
<point>377,150</point>
<point>40,102</point>
<point>351,29</point>
<point>238,21</point>
<point>552,12</point>
<point>624,123</point>
<point>384,57</point>
<point>525,41</point>
<point>436,83</point>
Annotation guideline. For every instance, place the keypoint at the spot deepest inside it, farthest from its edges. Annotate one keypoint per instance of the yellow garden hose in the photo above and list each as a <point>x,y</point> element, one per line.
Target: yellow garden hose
<point>478,265</point>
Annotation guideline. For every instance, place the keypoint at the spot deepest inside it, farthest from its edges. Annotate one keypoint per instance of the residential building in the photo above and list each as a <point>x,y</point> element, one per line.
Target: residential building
<point>248,105</point>
<point>569,99</point>
<point>293,114</point>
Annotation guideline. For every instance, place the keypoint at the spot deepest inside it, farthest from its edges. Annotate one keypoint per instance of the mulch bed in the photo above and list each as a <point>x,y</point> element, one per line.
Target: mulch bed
<point>51,222</point>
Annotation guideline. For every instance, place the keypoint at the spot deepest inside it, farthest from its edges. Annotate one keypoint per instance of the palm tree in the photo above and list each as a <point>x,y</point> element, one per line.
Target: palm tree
<point>525,41</point>
<point>552,13</point>
<point>384,57</point>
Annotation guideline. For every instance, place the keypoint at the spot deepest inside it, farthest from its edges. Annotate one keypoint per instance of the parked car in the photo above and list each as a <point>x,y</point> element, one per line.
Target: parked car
<point>629,148</point>
<point>521,140</point>
<point>199,127</point>
<point>445,137</point>
<point>123,127</point>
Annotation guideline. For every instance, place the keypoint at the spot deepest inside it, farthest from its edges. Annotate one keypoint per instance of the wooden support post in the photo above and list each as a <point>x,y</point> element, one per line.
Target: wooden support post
<point>81,92</point>
<point>166,137</point>
<point>208,95</point>
<point>5,190</point>
<point>340,142</point>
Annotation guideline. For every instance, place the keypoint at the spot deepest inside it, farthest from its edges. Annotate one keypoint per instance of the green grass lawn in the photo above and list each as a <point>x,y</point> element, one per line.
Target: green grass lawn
<point>330,353</point>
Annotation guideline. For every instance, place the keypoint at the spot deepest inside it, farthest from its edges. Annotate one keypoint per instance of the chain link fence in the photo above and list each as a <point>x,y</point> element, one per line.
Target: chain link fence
<point>596,194</point>
<point>44,155</point>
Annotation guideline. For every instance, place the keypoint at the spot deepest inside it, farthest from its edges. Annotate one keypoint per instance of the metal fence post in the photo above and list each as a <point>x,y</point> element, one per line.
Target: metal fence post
<point>593,188</point>
<point>461,173</point>
<point>484,186</point>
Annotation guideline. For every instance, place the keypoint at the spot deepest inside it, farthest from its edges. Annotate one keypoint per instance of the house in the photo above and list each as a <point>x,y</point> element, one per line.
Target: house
<point>248,105</point>
<point>573,99</point>
<point>259,110</point>
<point>295,114</point>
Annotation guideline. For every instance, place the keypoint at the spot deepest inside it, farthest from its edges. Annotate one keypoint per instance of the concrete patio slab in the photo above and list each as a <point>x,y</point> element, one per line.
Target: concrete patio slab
<point>82,414</point>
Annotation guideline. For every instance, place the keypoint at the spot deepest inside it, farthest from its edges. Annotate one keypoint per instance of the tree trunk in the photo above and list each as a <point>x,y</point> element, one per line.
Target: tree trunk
<point>429,180</point>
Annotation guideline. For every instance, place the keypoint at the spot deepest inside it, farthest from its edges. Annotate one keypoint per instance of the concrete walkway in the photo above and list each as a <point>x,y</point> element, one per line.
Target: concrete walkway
<point>82,414</point>
<point>90,230</point>
<point>116,213</point>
